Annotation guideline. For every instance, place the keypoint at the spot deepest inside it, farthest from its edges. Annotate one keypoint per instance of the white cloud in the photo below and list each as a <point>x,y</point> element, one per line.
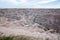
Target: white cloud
<point>25,2</point>
<point>10,2</point>
<point>34,2</point>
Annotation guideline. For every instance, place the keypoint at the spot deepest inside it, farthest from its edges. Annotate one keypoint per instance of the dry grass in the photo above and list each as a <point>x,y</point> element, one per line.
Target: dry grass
<point>21,37</point>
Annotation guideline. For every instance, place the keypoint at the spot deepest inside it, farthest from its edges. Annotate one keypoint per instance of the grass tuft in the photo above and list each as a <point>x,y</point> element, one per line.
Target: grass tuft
<point>21,37</point>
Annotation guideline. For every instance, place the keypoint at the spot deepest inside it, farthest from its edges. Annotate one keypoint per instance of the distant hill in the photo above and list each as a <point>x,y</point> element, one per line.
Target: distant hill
<point>49,18</point>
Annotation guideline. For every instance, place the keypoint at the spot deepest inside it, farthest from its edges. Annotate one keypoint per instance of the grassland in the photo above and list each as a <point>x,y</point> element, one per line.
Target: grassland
<point>21,37</point>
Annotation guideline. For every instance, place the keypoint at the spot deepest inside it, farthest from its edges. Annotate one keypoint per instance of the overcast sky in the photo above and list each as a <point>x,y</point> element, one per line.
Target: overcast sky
<point>29,3</point>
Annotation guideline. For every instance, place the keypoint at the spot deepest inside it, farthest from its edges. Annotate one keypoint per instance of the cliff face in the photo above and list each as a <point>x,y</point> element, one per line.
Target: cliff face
<point>49,18</point>
<point>50,21</point>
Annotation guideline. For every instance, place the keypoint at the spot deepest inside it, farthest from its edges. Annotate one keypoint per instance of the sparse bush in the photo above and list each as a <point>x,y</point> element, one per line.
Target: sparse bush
<point>21,37</point>
<point>6,38</point>
<point>47,39</point>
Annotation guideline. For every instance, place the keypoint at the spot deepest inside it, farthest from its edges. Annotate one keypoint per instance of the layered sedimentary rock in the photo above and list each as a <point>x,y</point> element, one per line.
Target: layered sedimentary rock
<point>49,18</point>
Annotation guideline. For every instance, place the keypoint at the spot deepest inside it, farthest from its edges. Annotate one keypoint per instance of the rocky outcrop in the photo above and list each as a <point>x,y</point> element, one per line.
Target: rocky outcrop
<point>49,18</point>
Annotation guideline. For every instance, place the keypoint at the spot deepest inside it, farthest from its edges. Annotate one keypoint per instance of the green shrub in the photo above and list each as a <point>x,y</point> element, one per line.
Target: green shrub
<point>6,38</point>
<point>21,37</point>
